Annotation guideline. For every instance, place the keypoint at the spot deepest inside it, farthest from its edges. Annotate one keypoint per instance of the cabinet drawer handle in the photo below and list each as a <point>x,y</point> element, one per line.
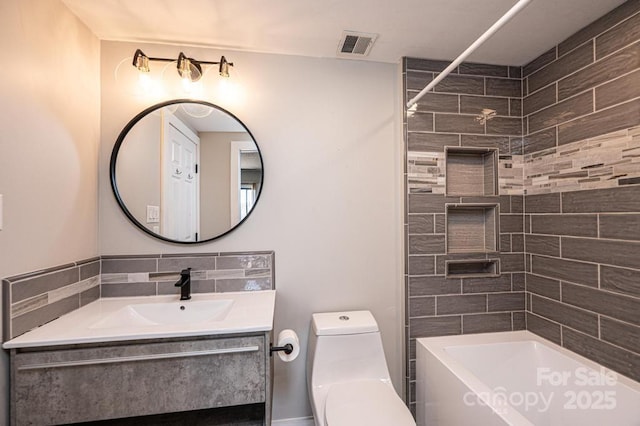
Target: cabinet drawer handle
<point>136,358</point>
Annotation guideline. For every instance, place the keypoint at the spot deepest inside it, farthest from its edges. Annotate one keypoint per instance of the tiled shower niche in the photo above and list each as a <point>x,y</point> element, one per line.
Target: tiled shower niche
<point>471,171</point>
<point>472,268</point>
<point>464,227</point>
<point>472,228</point>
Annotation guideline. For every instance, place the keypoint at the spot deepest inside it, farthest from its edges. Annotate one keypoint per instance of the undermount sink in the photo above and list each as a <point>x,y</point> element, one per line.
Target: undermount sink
<point>169,313</point>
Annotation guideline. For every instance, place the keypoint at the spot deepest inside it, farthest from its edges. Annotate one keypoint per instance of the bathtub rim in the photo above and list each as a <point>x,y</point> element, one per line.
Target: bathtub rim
<point>437,346</point>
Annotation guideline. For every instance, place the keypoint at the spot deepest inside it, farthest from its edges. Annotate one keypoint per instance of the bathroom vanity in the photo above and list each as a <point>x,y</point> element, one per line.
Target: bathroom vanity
<point>114,359</point>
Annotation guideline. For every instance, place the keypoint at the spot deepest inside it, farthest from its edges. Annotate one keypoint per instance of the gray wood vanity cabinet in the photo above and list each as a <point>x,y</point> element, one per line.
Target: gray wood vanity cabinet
<point>81,383</point>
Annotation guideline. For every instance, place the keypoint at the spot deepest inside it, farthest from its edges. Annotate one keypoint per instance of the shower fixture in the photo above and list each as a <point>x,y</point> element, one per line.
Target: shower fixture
<point>485,115</point>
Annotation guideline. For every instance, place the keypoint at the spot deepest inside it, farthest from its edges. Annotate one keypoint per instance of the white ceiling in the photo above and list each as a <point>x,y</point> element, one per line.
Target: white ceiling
<point>435,29</point>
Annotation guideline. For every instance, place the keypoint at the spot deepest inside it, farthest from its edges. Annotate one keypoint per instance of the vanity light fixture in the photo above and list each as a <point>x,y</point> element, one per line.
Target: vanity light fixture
<point>188,68</point>
<point>224,67</point>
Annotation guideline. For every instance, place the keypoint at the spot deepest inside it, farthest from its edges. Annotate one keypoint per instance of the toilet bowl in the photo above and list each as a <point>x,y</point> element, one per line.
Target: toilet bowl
<point>347,374</point>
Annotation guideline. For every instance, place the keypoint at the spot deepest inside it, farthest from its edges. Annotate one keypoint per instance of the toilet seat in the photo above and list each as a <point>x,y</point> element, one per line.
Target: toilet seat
<point>370,402</point>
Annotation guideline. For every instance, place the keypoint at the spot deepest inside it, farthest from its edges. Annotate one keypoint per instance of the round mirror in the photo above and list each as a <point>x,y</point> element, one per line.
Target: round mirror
<point>186,171</point>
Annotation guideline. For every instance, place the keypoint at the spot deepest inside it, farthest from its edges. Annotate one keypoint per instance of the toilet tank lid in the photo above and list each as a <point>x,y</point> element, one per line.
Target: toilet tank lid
<point>337,323</point>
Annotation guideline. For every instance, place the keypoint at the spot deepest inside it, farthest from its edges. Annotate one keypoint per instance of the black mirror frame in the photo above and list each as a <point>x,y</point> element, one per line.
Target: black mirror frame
<point>116,150</point>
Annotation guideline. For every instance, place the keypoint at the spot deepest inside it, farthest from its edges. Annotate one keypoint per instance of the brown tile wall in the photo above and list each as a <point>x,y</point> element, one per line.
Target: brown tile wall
<point>587,85</point>
<point>33,299</point>
<point>436,305</point>
<point>582,247</point>
<point>578,250</point>
<point>583,273</point>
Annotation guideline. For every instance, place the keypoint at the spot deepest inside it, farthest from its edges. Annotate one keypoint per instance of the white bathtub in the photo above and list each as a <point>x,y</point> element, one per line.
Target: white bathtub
<point>517,378</point>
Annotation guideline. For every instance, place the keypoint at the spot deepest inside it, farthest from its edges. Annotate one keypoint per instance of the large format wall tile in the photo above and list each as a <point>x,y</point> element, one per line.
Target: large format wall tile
<point>568,135</point>
<point>623,199</point>
<point>602,25</point>
<point>543,286</point>
<point>566,270</point>
<point>578,225</point>
<point>438,102</point>
<point>610,252</point>
<point>581,320</point>
<point>613,305</point>
<point>620,280</point>
<point>540,99</point>
<point>621,334</point>
<point>542,244</point>
<point>619,36</point>
<point>600,72</point>
<point>436,305</point>
<point>541,61</point>
<point>565,65</point>
<point>604,121</point>
<point>619,90</point>
<point>620,226</point>
<point>487,323</point>
<point>623,361</point>
<point>598,65</point>
<point>543,327</point>
<point>561,112</point>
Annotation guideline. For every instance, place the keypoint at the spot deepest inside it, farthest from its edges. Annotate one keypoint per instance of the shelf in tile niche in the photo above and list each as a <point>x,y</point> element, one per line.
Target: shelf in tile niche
<point>472,228</point>
<point>472,268</point>
<point>471,171</point>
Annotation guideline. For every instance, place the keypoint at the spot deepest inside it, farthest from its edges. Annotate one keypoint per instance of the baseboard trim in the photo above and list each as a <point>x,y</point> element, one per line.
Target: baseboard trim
<point>299,421</point>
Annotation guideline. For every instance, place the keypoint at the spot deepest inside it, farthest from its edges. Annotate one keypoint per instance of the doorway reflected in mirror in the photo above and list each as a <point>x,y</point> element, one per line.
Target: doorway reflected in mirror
<point>186,171</point>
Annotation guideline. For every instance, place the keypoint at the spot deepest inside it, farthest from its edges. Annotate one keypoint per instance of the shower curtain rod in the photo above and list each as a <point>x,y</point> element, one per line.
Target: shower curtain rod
<point>495,27</point>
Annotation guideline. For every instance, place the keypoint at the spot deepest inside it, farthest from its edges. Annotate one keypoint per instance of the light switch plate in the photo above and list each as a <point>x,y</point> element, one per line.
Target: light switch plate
<point>153,214</point>
<point>1,212</point>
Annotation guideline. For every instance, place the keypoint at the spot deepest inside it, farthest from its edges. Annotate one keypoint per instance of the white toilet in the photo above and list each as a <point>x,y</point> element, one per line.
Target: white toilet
<point>347,374</point>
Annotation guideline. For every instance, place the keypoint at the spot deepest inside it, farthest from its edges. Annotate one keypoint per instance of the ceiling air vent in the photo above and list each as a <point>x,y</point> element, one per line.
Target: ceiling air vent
<point>353,44</point>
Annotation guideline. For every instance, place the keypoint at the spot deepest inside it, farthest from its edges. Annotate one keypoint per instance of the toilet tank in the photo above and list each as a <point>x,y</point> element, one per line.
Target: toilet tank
<point>345,346</point>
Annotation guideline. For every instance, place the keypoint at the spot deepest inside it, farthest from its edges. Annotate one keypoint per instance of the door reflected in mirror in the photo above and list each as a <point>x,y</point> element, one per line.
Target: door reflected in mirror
<point>186,171</point>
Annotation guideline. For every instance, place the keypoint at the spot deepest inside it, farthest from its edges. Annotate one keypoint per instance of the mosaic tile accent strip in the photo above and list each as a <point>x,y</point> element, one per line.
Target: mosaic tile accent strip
<point>151,275</point>
<point>606,161</point>
<point>426,173</point>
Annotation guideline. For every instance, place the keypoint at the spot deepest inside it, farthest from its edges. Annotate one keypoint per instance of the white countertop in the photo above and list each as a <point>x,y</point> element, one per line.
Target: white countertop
<point>252,311</point>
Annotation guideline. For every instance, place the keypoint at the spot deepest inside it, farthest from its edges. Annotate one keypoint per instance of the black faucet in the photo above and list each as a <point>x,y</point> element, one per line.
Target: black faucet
<point>185,284</point>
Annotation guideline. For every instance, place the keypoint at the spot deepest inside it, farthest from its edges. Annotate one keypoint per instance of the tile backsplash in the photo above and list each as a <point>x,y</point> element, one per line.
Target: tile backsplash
<point>154,275</point>
<point>33,299</point>
<point>30,300</point>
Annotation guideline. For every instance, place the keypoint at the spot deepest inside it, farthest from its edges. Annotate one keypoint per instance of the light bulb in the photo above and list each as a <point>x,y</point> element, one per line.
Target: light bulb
<point>145,81</point>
